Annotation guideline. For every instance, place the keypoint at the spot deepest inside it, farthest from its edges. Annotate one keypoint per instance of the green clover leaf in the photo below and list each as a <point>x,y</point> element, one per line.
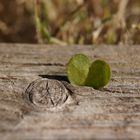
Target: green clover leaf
<point>99,74</point>
<point>77,69</point>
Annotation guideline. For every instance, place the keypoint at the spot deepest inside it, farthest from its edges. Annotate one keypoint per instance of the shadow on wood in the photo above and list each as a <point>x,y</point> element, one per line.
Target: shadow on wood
<point>56,77</point>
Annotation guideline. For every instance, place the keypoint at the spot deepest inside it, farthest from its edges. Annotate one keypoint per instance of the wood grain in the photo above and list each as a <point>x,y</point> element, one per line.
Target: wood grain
<point>110,113</point>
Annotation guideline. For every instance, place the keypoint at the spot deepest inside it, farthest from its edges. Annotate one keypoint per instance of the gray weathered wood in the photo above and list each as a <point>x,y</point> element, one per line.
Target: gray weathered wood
<point>111,113</point>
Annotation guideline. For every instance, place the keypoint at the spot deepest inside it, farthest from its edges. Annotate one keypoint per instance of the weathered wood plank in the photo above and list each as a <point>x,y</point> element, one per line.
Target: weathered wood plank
<point>111,113</point>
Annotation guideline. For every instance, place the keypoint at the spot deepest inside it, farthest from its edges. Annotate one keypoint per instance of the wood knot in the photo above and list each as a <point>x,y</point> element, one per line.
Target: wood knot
<point>46,93</point>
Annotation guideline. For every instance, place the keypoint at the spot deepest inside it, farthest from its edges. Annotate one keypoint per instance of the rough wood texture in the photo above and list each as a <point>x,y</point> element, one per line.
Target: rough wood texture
<point>111,113</point>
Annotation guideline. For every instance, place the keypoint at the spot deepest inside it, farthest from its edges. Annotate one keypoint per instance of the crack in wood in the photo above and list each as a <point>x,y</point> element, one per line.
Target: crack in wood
<point>33,64</point>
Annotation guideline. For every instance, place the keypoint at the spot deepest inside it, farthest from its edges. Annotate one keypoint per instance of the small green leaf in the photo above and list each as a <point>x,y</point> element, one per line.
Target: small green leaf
<point>77,69</point>
<point>99,74</point>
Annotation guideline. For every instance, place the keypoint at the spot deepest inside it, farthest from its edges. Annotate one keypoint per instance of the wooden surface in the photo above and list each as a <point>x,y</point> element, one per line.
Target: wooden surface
<point>110,113</point>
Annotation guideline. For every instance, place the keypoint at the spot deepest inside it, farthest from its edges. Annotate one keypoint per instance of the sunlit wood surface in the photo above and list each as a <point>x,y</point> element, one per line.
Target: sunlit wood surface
<point>110,113</point>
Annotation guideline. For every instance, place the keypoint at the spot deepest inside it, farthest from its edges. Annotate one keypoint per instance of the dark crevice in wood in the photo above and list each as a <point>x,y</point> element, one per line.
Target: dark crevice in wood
<point>123,91</point>
<point>34,64</point>
<point>43,64</point>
